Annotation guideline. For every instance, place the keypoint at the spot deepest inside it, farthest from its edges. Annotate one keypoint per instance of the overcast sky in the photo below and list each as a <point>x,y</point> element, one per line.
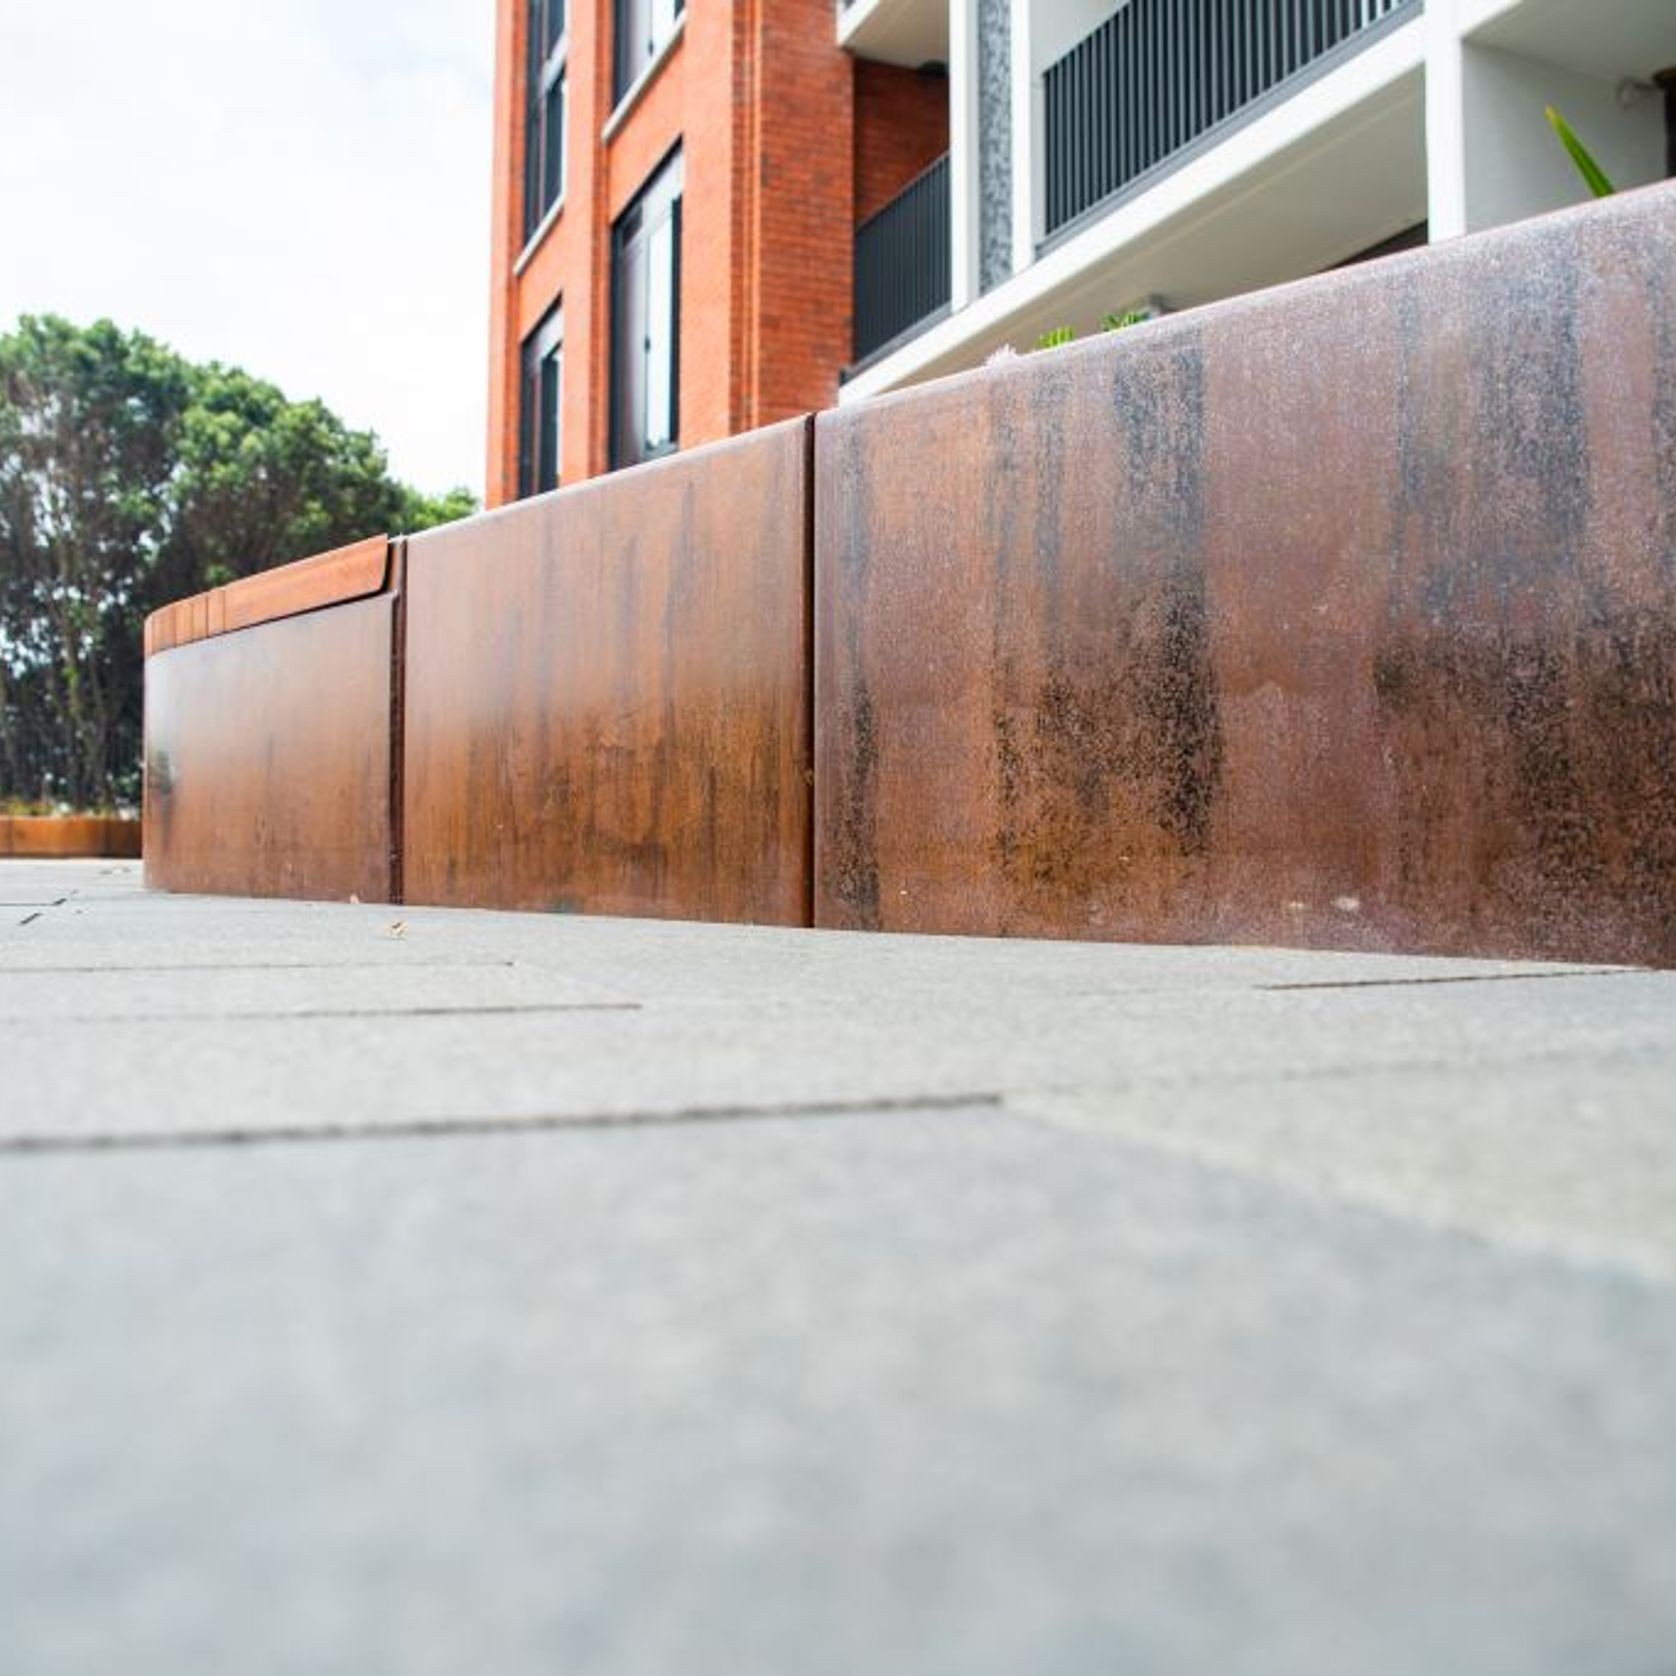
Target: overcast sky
<point>298,187</point>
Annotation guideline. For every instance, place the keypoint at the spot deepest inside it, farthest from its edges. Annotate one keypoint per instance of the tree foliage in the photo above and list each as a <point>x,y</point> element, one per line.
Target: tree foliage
<point>130,477</point>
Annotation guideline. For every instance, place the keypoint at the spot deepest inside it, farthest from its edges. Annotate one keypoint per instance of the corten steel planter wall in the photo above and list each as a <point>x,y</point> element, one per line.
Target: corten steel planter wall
<point>270,759</point>
<point>1341,616</point>
<point>112,837</point>
<point>607,703</point>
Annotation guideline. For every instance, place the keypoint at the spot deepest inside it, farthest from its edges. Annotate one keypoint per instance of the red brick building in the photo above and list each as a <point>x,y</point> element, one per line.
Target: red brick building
<point>677,188</point>
<point>711,214</point>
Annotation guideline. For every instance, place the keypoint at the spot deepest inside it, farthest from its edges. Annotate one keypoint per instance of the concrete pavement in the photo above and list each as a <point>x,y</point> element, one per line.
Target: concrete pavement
<point>405,1290</point>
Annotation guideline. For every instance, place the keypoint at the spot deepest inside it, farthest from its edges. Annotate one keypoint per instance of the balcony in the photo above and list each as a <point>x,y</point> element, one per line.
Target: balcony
<point>905,32</point>
<point>902,263</point>
<point>1144,89</point>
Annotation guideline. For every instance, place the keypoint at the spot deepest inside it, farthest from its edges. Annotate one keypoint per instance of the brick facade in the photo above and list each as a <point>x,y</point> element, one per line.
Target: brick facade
<point>901,129</point>
<point>786,142</point>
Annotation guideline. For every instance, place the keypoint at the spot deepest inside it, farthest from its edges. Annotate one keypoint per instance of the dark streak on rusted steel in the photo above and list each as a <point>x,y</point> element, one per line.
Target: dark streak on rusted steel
<point>267,758</point>
<point>1341,617</point>
<point>806,914</point>
<point>606,694</point>
<point>398,717</point>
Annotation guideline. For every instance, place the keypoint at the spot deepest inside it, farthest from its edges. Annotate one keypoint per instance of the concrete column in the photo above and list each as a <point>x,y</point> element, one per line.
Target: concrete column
<point>997,163</point>
<point>963,151</point>
<point>1445,120</point>
<point>1027,139</point>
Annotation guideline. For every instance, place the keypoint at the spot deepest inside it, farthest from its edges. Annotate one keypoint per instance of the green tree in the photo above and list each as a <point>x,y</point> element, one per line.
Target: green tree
<point>130,477</point>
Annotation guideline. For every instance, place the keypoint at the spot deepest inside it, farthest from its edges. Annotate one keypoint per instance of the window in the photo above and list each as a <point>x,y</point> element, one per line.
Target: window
<point>544,110</point>
<point>540,406</point>
<point>643,26</point>
<point>645,315</point>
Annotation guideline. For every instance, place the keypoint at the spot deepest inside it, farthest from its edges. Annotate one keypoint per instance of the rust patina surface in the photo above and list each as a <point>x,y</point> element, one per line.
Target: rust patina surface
<point>58,837</point>
<point>268,758</point>
<point>1341,616</point>
<point>607,694</point>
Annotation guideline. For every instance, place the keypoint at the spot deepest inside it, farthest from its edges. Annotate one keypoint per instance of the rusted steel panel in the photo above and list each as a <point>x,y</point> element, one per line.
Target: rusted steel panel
<point>606,704</point>
<point>268,758</point>
<point>1339,617</point>
<point>61,836</point>
<point>353,572</point>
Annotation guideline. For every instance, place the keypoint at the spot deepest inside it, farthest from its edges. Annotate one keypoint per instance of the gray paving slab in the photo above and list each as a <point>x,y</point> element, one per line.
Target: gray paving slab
<point>1574,1157</point>
<point>619,1297</point>
<point>978,1037</point>
<point>131,929</point>
<point>223,994</point>
<point>947,1393</point>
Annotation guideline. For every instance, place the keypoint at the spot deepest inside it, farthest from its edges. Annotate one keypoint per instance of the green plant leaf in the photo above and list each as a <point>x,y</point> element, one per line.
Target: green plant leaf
<point>1058,336</point>
<point>1587,167</point>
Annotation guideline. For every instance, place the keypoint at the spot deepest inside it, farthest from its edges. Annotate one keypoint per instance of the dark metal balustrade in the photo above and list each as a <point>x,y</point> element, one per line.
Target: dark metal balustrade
<point>1160,74</point>
<point>902,261</point>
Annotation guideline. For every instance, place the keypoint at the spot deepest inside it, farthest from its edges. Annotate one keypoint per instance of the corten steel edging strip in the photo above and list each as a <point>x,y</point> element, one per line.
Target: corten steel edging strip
<point>346,573</point>
<point>1339,616</point>
<point>69,836</point>
<point>352,572</point>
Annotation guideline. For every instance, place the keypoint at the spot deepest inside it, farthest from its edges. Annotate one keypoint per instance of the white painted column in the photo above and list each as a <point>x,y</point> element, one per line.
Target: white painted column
<point>963,151</point>
<point>1445,120</point>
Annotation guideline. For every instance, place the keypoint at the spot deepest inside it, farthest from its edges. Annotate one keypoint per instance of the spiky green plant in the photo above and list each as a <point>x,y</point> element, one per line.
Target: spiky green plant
<point>1587,167</point>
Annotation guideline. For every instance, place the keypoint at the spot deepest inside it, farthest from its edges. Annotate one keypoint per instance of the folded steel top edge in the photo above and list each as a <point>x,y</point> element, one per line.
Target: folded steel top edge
<point>1646,212</point>
<point>622,480</point>
<point>333,578</point>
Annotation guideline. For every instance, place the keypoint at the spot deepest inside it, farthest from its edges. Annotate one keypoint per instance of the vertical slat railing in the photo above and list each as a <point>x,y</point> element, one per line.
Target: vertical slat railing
<point>1160,74</point>
<point>902,261</point>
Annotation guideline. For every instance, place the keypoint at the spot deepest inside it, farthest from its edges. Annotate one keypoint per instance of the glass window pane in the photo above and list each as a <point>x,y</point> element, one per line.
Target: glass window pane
<point>532,175</point>
<point>526,428</point>
<point>552,383</point>
<point>645,320</point>
<point>631,27</point>
<point>540,384</point>
<point>628,295</point>
<point>552,177</point>
<point>555,23</point>
<point>660,335</point>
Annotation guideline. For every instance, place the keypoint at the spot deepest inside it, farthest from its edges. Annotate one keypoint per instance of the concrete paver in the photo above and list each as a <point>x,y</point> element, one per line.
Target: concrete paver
<point>625,1297</point>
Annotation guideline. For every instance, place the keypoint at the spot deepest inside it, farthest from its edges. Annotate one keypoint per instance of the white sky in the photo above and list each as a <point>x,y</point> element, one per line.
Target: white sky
<point>297,187</point>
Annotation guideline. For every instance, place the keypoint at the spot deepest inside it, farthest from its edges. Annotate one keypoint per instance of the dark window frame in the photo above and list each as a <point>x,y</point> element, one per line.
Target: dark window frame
<point>540,399</point>
<point>640,31</point>
<point>546,108</point>
<point>658,202</point>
